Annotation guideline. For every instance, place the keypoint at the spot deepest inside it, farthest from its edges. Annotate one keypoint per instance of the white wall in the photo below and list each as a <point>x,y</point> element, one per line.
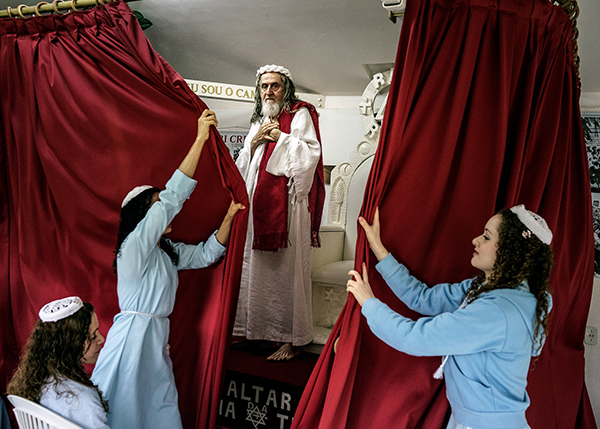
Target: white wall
<point>592,354</point>
<point>590,102</point>
<point>341,128</point>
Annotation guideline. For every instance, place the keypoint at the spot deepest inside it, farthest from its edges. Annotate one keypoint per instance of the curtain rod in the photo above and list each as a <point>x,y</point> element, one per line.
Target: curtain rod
<point>54,7</point>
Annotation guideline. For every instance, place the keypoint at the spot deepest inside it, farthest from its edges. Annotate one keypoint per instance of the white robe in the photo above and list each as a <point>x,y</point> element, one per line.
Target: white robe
<point>275,301</point>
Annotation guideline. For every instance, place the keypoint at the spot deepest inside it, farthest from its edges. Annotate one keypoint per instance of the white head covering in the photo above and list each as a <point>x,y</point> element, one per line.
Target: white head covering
<point>272,68</point>
<point>134,193</point>
<point>60,309</point>
<point>534,222</point>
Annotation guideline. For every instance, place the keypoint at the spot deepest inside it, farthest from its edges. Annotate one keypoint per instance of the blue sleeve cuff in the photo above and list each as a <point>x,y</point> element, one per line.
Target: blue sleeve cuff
<point>386,260</point>
<point>389,264</point>
<point>368,306</point>
<point>181,184</point>
<point>213,245</point>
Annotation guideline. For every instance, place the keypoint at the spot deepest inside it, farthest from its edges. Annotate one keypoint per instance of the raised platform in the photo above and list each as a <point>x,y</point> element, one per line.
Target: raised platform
<point>258,393</point>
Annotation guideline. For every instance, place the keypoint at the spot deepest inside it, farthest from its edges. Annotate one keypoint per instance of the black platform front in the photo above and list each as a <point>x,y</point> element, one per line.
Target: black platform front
<point>258,393</point>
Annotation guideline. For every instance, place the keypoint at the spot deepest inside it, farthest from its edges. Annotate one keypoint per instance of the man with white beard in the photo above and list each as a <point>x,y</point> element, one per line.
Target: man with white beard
<point>282,165</point>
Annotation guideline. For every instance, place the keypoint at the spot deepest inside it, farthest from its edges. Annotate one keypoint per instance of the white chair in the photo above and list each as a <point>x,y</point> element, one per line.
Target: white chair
<point>331,262</point>
<point>31,415</point>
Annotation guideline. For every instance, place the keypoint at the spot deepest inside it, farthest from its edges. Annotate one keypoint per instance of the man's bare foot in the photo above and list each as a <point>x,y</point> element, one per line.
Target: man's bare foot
<point>285,353</point>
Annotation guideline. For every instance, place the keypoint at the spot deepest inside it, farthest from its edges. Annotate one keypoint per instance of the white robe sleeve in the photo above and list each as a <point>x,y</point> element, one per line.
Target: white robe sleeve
<point>297,154</point>
<point>244,156</point>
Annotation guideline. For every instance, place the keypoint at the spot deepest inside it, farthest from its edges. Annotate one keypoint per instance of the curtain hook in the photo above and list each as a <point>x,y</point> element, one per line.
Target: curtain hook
<point>8,10</point>
<point>73,2</point>
<point>55,7</point>
<point>21,6</point>
<point>37,7</point>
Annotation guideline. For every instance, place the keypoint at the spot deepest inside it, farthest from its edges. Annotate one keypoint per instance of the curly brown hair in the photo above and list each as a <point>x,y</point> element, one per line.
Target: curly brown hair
<point>55,350</point>
<point>517,259</point>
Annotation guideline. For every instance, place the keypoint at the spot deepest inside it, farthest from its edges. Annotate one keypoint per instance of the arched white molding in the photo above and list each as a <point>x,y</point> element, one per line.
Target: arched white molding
<point>372,103</point>
<point>340,181</point>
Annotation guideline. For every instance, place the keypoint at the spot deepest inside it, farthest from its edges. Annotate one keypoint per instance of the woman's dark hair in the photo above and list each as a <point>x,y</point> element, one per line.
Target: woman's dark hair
<point>520,258</point>
<point>55,350</point>
<point>133,212</point>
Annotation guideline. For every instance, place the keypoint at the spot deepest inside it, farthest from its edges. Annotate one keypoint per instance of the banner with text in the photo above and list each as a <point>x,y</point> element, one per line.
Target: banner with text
<point>251,402</point>
<point>240,93</point>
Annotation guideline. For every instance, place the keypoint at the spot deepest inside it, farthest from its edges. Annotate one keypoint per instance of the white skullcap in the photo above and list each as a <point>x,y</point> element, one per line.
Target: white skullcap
<point>534,222</point>
<point>134,193</point>
<point>61,308</point>
<point>272,68</point>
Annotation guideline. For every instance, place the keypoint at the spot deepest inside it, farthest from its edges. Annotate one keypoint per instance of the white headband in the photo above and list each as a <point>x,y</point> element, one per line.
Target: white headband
<point>534,222</point>
<point>272,68</point>
<point>134,193</point>
<point>60,309</point>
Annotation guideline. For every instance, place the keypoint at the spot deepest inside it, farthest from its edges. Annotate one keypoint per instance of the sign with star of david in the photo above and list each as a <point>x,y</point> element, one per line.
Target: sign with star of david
<point>253,402</point>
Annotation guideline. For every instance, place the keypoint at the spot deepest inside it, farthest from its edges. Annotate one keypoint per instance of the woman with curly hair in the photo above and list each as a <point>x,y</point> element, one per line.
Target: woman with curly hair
<point>488,327</point>
<point>51,370</point>
<point>134,370</point>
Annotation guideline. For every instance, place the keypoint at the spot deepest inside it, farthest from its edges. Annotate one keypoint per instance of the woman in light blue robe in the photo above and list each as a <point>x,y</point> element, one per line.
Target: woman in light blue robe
<point>134,370</point>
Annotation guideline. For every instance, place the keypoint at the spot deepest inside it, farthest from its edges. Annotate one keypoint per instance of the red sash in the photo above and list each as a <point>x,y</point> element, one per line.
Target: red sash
<point>270,201</point>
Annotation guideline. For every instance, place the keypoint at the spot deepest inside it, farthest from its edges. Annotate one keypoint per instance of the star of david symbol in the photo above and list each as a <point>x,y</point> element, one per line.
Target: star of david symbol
<point>332,296</point>
<point>255,416</point>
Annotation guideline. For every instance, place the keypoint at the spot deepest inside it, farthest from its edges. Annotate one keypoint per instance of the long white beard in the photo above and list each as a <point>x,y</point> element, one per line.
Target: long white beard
<point>271,109</point>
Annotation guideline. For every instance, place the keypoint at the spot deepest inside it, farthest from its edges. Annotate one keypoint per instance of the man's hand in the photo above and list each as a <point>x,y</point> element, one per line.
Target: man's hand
<point>275,133</point>
<point>268,131</point>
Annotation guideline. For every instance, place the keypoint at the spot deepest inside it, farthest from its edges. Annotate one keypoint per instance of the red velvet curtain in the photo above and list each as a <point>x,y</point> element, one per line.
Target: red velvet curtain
<point>89,111</point>
<point>482,114</point>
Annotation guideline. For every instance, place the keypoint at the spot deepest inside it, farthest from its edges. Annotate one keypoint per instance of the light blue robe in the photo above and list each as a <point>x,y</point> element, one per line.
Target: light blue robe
<point>134,371</point>
<point>490,342</point>
<point>75,402</point>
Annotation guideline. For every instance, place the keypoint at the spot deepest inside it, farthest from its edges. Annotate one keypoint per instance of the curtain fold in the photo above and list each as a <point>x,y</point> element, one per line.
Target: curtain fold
<point>90,110</point>
<point>482,114</point>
